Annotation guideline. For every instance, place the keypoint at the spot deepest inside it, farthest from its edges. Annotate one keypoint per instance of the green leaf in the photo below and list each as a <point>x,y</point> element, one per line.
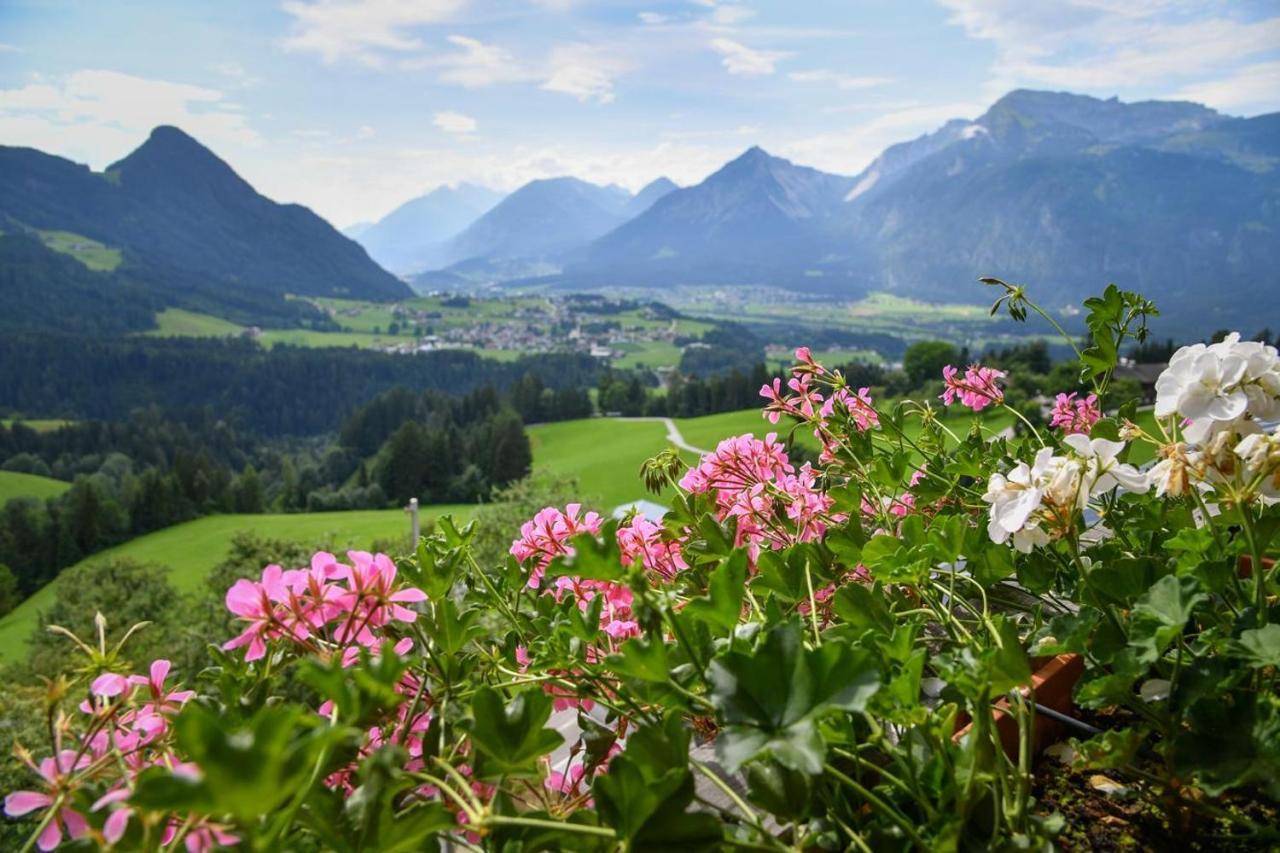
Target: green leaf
<point>722,606</point>
<point>1160,615</point>
<point>1068,632</point>
<point>645,794</point>
<point>784,793</point>
<point>1260,646</point>
<point>451,630</point>
<point>770,698</point>
<point>595,557</point>
<point>248,770</point>
<point>863,609</point>
<point>642,658</point>
<point>511,736</point>
<point>1110,750</point>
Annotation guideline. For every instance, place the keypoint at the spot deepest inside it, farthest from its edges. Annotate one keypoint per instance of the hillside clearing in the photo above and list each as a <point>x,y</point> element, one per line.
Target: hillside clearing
<point>16,485</point>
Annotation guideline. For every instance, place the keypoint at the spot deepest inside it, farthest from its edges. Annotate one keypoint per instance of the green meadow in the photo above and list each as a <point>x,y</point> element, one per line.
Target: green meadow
<point>16,485</point>
<point>191,550</point>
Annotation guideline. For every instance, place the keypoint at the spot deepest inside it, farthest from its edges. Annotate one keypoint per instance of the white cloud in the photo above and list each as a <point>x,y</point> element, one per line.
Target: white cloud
<point>1251,89</point>
<point>839,80</point>
<point>728,14</point>
<point>96,116</point>
<point>1109,46</point>
<point>236,74</point>
<point>581,71</point>
<point>365,132</point>
<point>851,150</point>
<point>653,18</point>
<point>740,59</point>
<point>9,48</point>
<point>476,65</point>
<point>362,30</point>
<point>454,122</point>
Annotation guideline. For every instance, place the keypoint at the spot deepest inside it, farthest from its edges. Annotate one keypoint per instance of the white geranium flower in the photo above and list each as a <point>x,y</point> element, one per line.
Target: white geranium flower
<point>1260,454</point>
<point>1013,499</point>
<point>1104,471</point>
<point>1216,386</point>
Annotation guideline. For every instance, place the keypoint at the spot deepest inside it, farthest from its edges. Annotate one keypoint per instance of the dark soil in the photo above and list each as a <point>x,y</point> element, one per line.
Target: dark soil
<point>1136,818</point>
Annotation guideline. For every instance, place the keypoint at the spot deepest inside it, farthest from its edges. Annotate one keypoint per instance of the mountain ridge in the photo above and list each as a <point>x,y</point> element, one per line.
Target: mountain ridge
<point>190,226</point>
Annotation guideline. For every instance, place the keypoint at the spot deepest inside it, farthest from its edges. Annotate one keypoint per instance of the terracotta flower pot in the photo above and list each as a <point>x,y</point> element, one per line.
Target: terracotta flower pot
<point>1052,683</point>
<point>1246,565</point>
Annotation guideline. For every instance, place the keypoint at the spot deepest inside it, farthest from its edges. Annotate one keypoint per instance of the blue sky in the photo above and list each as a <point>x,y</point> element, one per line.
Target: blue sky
<point>353,106</point>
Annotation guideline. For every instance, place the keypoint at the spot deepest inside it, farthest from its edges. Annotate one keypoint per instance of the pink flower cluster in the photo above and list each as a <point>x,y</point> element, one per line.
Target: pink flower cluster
<point>753,481</point>
<point>547,536</point>
<point>128,719</point>
<point>976,389</point>
<point>806,402</point>
<point>1073,415</point>
<point>642,540</point>
<point>330,605</point>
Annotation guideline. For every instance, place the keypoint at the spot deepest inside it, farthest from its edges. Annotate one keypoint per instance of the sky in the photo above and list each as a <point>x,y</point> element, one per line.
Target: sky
<point>352,107</point>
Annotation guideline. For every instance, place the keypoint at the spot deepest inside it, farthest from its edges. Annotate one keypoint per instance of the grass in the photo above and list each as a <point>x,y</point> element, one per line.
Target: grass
<point>16,485</point>
<point>94,255</point>
<point>647,354</point>
<point>181,323</point>
<point>603,454</point>
<point>191,550</point>
<point>37,424</point>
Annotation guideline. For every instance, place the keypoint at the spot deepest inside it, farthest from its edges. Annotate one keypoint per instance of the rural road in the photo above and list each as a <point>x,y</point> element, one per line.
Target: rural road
<point>673,434</point>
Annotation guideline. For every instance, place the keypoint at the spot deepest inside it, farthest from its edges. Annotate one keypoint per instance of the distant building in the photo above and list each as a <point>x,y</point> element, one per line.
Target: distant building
<point>1144,374</point>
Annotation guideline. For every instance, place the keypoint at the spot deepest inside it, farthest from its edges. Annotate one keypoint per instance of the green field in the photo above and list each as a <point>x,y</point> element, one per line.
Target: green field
<point>647,354</point>
<point>94,255</point>
<point>181,323</point>
<point>603,454</point>
<point>190,550</point>
<point>368,325</point>
<point>15,485</point>
<point>38,424</point>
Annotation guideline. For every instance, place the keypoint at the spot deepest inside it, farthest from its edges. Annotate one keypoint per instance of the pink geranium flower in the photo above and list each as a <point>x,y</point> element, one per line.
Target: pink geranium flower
<point>546,537</point>
<point>1075,416</point>
<point>976,389</point>
<point>53,772</point>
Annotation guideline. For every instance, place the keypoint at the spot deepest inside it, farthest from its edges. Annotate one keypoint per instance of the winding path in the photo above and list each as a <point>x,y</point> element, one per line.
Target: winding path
<point>673,434</point>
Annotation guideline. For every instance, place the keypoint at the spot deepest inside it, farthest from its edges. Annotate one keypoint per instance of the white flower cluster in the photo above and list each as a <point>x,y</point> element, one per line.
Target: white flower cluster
<point>1224,391</point>
<point>1219,386</point>
<point>1034,502</point>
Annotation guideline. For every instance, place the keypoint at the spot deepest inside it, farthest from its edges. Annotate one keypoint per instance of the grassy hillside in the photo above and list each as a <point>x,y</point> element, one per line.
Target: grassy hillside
<point>37,424</point>
<point>190,550</point>
<point>181,323</point>
<point>15,485</point>
<point>91,253</point>
<point>603,454</point>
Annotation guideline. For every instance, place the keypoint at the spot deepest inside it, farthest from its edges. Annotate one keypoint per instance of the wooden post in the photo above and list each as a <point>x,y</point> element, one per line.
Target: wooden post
<point>412,509</point>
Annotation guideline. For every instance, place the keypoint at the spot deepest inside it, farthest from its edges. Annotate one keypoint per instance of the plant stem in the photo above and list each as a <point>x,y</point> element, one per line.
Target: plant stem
<point>537,823</point>
<point>880,805</point>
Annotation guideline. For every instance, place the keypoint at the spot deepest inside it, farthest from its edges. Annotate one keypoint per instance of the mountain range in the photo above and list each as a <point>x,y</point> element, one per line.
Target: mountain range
<point>1063,192</point>
<point>412,237</point>
<point>476,227</point>
<point>189,229</point>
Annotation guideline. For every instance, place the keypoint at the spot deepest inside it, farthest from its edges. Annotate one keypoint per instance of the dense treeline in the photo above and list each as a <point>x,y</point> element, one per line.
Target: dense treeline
<point>276,392</point>
<point>437,448</point>
<point>151,471</point>
<point>42,289</point>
